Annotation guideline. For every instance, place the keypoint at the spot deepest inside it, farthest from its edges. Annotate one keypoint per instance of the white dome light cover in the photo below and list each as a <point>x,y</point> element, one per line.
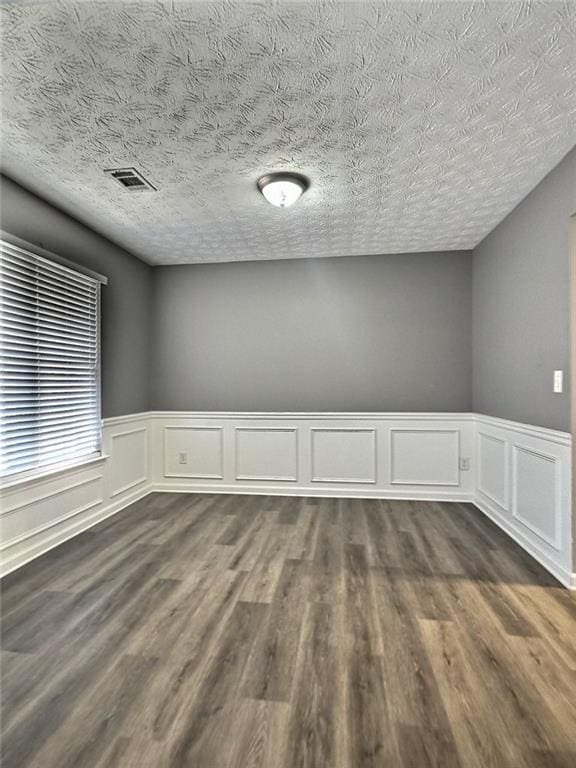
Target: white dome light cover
<point>282,189</point>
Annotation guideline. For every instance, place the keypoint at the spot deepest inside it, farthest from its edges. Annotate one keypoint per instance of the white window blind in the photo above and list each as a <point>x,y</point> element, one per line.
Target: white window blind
<point>49,363</point>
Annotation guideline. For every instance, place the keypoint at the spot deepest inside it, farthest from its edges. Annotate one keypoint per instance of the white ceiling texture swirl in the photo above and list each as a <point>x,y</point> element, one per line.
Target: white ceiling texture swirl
<point>419,124</point>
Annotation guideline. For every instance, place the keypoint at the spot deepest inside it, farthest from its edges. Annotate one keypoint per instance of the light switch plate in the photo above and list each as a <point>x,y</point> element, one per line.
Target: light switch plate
<point>558,382</point>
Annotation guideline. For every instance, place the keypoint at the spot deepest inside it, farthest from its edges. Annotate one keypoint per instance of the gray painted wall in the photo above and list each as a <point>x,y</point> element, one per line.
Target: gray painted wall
<point>125,300</point>
<point>366,333</point>
<point>521,309</point>
<point>354,334</point>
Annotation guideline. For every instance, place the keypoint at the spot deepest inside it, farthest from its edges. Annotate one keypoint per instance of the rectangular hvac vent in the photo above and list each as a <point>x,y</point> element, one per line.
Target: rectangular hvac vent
<point>129,178</point>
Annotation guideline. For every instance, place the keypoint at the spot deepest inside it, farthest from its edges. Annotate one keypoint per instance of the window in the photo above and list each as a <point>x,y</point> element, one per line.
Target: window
<point>49,362</point>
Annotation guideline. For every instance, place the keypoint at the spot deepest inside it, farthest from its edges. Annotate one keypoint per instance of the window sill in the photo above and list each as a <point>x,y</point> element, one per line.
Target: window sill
<point>48,473</point>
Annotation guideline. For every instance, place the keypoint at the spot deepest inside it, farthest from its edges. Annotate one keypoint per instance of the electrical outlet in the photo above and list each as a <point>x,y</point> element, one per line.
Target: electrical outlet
<point>465,465</point>
<point>182,458</point>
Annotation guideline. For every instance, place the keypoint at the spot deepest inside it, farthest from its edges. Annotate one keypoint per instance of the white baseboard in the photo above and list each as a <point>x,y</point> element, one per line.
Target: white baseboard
<point>325,493</point>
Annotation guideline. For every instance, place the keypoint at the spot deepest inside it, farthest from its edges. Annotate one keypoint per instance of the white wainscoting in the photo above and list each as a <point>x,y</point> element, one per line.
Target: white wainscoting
<point>382,455</point>
<point>524,485</point>
<point>518,475</point>
<point>38,514</point>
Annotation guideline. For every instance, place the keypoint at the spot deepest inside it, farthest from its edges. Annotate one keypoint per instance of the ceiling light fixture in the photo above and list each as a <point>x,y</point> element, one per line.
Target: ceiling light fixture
<point>282,189</point>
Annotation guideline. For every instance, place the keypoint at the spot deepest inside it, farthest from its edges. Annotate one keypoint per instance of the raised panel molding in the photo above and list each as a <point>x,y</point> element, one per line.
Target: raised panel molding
<point>129,452</point>
<point>204,447</point>
<point>425,457</point>
<point>266,453</point>
<point>343,455</point>
<point>536,493</point>
<point>493,469</point>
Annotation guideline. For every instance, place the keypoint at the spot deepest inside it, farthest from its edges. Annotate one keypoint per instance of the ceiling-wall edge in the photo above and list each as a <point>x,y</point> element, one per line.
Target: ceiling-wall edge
<point>73,217</point>
<point>520,202</point>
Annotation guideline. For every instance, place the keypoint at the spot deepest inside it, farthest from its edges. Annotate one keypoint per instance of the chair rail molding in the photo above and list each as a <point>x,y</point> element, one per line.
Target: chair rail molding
<point>516,474</point>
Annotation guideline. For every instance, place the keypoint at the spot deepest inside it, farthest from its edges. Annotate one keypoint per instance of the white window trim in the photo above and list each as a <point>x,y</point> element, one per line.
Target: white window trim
<point>30,248</point>
<point>32,476</point>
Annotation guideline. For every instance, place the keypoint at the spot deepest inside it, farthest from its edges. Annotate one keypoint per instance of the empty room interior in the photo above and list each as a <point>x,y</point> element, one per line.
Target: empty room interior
<point>286,293</point>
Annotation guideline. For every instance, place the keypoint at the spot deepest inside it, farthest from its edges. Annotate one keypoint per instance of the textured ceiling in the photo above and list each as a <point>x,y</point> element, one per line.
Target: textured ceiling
<point>420,124</point>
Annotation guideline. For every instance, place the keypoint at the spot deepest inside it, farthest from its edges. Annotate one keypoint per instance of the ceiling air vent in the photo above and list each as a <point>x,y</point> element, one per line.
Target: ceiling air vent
<point>129,178</point>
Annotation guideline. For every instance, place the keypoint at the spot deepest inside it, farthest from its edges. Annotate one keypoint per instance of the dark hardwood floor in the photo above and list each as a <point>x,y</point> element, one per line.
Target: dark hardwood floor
<point>245,631</point>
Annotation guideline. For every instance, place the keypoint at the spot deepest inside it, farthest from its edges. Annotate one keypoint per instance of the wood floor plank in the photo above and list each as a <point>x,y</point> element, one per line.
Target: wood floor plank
<point>102,710</point>
<point>546,673</point>
<point>29,628</point>
<point>263,578</point>
<point>303,536</point>
<point>95,628</point>
<point>519,699</point>
<point>200,728</point>
<point>482,738</point>
<point>271,669</point>
<point>315,732</point>
<point>183,663</point>
<point>412,693</point>
<point>370,740</point>
<point>290,511</point>
<point>43,696</point>
<point>328,554</point>
<point>205,631</point>
<point>256,734</point>
<point>382,536</point>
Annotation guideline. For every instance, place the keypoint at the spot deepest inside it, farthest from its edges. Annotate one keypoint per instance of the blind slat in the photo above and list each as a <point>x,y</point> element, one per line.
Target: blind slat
<point>45,300</point>
<point>13,309</point>
<point>44,424</point>
<point>34,287</point>
<point>28,275</point>
<point>21,255</point>
<point>45,329</point>
<point>53,440</point>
